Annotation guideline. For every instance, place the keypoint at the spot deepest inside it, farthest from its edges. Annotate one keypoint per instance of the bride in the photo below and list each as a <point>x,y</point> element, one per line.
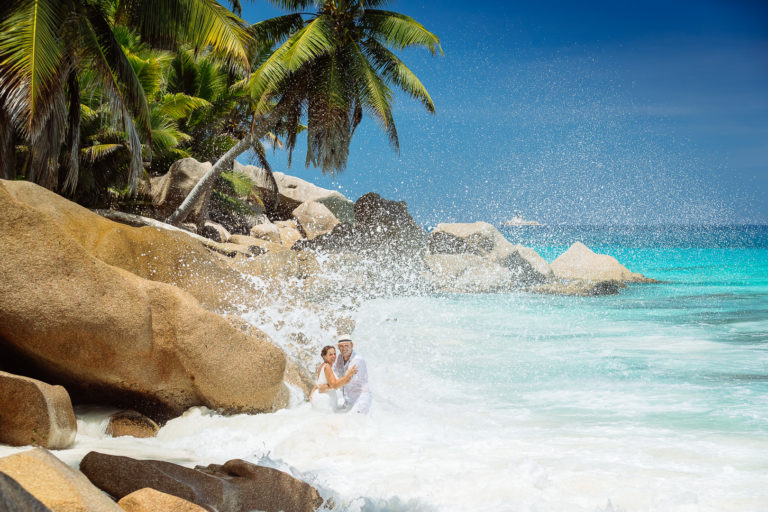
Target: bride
<point>323,395</point>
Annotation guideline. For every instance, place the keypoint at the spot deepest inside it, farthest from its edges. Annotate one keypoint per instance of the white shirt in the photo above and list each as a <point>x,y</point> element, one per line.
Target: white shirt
<point>359,382</point>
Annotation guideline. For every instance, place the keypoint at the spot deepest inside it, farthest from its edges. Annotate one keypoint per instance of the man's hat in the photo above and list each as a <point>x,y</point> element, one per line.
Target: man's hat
<point>343,337</point>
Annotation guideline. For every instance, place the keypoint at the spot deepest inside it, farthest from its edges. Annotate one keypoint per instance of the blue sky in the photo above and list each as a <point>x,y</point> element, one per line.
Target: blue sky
<point>571,112</point>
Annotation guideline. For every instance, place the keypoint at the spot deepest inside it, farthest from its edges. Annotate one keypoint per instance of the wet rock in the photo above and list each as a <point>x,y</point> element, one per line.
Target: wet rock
<point>314,219</point>
<point>151,500</point>
<point>131,423</point>
<point>58,486</point>
<point>384,230</point>
<point>110,336</point>
<point>579,262</point>
<point>14,498</point>
<point>35,413</point>
<point>236,486</point>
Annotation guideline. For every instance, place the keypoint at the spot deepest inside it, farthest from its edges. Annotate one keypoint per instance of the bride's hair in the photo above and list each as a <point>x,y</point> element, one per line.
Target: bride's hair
<point>326,349</point>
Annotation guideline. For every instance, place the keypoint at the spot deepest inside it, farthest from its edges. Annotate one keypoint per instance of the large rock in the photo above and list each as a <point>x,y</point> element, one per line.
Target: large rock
<point>294,191</point>
<point>33,412</point>
<point>168,256</point>
<point>237,486</point>
<point>110,336</point>
<point>14,498</point>
<point>150,500</point>
<point>384,229</point>
<point>579,262</point>
<point>56,485</point>
<point>314,219</point>
<point>483,239</point>
<point>169,190</point>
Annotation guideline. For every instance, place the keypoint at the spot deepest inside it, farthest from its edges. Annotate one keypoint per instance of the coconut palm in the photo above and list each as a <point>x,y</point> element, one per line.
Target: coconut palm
<point>45,47</point>
<point>328,67</point>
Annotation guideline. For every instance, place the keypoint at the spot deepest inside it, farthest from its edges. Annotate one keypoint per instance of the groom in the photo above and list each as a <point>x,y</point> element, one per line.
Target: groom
<point>357,394</point>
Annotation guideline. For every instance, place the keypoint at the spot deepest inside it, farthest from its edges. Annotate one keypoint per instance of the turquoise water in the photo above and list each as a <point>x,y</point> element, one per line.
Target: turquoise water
<point>653,399</point>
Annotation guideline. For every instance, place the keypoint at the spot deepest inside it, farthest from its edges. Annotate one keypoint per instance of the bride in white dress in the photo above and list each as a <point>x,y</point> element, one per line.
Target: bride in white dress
<point>323,396</point>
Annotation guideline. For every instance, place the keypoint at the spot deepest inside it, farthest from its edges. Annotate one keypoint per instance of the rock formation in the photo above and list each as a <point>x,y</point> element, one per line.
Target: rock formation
<point>579,262</point>
<point>110,336</point>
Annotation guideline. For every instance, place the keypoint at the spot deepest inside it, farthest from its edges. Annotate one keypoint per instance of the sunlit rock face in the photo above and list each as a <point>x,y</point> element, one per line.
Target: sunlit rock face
<point>68,313</point>
<point>579,262</point>
<point>314,219</point>
<point>58,486</point>
<point>150,500</point>
<point>36,413</point>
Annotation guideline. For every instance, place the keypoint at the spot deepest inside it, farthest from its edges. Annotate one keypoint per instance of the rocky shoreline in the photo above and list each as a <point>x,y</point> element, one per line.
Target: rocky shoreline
<point>122,310</point>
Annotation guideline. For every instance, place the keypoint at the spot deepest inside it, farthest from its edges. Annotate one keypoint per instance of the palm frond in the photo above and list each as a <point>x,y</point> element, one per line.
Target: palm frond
<point>293,5</point>
<point>276,30</point>
<point>179,105</point>
<point>374,95</point>
<point>202,23</point>
<point>120,103</point>
<point>397,72</point>
<point>311,42</point>
<point>97,152</point>
<point>31,52</point>
<point>398,30</point>
<point>107,52</point>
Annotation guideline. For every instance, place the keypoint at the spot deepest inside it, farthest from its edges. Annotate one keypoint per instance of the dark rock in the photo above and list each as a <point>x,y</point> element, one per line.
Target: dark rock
<point>523,272</point>
<point>236,486</point>
<point>14,498</point>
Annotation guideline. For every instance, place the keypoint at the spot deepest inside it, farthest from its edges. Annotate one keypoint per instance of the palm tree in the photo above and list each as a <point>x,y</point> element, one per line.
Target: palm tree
<point>45,47</point>
<point>329,67</point>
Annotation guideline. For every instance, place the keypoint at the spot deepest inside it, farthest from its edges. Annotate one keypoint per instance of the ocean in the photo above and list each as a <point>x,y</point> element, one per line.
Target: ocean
<point>655,399</point>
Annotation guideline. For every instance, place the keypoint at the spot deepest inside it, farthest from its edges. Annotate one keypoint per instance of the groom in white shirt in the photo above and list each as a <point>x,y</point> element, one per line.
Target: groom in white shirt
<point>357,394</point>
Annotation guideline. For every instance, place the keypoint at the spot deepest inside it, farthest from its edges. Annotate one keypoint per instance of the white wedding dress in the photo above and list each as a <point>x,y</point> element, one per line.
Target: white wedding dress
<point>324,401</point>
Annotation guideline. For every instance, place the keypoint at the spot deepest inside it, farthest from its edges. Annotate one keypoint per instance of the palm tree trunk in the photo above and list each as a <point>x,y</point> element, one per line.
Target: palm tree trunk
<point>225,163</point>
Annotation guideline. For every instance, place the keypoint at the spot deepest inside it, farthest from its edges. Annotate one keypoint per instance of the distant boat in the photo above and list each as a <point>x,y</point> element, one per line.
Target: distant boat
<point>518,220</point>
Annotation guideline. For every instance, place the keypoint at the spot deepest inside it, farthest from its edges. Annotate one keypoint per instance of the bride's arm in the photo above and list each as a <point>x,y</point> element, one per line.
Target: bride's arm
<point>335,383</point>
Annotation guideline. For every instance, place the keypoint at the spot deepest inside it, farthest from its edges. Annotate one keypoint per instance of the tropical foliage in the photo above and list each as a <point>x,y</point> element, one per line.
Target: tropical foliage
<point>326,68</point>
<point>51,50</point>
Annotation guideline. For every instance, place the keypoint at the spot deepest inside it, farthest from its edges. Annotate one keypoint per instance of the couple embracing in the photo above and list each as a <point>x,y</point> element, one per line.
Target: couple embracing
<point>354,383</point>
